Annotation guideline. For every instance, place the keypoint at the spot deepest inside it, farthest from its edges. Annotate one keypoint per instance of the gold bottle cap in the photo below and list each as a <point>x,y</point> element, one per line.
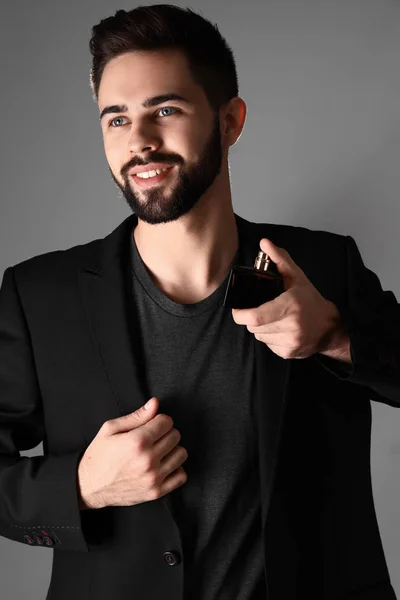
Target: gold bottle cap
<point>262,261</point>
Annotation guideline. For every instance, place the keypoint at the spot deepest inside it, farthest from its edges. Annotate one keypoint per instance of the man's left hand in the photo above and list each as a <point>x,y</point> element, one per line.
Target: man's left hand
<point>297,323</point>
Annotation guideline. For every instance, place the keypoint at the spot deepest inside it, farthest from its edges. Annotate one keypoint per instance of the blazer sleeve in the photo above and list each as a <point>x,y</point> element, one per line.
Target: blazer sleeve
<point>372,318</point>
<point>38,495</point>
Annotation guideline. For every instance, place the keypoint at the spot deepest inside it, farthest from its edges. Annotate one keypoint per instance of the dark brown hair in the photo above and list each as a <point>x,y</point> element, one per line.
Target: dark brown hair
<point>165,26</point>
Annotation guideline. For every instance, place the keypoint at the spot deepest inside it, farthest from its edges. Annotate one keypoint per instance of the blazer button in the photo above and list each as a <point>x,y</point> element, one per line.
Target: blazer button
<point>49,538</point>
<point>48,541</point>
<point>172,558</point>
<point>38,539</point>
<point>28,540</point>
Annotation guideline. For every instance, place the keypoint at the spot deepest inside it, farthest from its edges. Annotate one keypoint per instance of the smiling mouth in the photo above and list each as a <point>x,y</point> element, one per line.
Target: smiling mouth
<point>149,181</point>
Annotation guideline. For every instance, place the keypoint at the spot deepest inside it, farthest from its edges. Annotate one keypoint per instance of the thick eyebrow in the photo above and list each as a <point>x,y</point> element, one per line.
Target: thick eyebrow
<point>147,103</point>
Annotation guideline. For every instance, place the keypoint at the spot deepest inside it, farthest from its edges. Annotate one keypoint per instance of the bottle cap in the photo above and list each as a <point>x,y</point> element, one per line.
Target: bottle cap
<point>262,261</point>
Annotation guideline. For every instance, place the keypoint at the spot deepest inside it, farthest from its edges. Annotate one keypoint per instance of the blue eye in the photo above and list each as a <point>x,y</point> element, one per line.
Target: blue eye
<point>163,108</point>
<point>112,120</point>
<point>168,108</point>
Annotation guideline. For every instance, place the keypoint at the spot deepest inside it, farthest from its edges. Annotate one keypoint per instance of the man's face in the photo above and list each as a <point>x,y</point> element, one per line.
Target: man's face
<point>185,135</point>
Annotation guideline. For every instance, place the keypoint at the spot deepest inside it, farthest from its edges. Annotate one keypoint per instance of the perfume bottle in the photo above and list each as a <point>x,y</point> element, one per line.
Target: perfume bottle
<point>249,287</point>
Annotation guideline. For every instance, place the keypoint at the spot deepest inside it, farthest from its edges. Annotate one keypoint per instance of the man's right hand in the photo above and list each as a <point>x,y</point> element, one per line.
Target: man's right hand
<point>133,459</point>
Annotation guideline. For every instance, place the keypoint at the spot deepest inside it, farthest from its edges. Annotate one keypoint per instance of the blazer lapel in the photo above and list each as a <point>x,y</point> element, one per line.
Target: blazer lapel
<point>273,374</point>
<point>105,281</point>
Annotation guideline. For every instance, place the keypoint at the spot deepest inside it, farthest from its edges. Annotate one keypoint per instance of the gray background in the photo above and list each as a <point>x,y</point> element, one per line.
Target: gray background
<point>320,149</point>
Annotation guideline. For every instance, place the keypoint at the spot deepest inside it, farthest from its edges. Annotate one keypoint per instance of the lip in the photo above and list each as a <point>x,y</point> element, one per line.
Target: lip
<point>145,183</point>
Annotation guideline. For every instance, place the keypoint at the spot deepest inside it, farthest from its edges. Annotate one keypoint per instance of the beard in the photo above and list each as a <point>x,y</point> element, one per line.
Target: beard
<point>168,201</point>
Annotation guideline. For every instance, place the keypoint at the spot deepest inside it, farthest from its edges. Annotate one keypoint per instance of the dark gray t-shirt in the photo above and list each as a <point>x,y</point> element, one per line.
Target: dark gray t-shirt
<point>201,366</point>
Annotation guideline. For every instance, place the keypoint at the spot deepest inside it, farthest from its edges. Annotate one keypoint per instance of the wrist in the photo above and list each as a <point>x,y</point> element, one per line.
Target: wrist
<point>85,500</point>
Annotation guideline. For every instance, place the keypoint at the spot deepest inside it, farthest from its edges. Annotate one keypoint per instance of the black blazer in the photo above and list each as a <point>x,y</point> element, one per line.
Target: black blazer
<point>67,365</point>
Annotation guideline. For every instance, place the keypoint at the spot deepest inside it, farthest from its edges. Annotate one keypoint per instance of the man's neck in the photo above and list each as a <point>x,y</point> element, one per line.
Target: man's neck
<point>188,264</point>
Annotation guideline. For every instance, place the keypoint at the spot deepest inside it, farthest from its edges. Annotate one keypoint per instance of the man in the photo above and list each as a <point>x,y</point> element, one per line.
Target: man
<point>275,500</point>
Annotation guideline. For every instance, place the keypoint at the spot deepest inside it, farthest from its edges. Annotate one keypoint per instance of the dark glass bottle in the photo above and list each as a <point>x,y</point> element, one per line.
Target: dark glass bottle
<point>249,287</point>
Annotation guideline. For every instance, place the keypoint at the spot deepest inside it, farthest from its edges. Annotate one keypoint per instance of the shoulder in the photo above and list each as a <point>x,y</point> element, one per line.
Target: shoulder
<point>55,265</point>
<point>298,240</point>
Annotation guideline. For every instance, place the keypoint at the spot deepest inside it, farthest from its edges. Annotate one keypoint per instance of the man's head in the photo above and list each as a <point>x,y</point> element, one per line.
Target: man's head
<point>154,51</point>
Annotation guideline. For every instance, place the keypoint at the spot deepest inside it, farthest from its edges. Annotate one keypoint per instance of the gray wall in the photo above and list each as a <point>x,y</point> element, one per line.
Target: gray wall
<point>320,148</point>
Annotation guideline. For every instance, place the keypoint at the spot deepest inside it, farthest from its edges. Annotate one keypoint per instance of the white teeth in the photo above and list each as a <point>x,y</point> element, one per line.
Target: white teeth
<point>147,174</point>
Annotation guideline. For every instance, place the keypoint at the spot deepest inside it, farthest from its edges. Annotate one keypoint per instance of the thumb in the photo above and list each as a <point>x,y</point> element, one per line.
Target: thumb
<point>135,419</point>
<point>281,257</point>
